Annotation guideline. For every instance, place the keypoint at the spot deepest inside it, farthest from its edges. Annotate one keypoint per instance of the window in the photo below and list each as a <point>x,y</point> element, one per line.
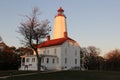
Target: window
<point>55,51</point>
<point>48,51</point>
<point>65,60</point>
<point>53,61</point>
<point>42,60</point>
<point>23,60</point>
<point>44,52</point>
<point>75,52</point>
<point>33,59</point>
<point>57,60</point>
<point>68,44</point>
<point>47,61</point>
<point>75,61</point>
<point>65,51</point>
<point>27,59</point>
<point>65,66</point>
<point>30,65</point>
<point>81,62</point>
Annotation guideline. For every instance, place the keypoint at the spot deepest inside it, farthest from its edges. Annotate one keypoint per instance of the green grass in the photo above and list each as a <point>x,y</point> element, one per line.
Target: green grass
<point>71,75</point>
<point>13,72</point>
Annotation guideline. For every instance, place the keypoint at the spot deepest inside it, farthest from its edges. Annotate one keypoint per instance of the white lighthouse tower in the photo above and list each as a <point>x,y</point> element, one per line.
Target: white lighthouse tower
<point>60,28</point>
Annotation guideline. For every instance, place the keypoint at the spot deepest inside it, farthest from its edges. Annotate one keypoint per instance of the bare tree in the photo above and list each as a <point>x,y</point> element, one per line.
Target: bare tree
<point>33,32</point>
<point>91,58</point>
<point>93,51</point>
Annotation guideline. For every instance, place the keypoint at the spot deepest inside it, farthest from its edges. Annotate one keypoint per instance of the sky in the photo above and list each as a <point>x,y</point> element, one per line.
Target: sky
<point>89,22</point>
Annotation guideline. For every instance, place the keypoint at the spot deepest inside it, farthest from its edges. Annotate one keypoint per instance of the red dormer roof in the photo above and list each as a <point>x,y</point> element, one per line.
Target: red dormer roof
<point>54,42</point>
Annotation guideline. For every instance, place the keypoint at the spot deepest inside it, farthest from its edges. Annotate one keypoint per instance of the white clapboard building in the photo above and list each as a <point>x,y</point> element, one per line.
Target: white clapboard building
<point>59,53</point>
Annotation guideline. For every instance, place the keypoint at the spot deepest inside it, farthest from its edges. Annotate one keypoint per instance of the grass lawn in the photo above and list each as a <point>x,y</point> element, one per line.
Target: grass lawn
<point>13,72</point>
<point>70,75</point>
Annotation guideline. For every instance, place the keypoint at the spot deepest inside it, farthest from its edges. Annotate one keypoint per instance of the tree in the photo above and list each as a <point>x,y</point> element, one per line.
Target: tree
<point>113,60</point>
<point>33,32</point>
<point>9,60</point>
<point>83,52</point>
<point>92,59</point>
<point>93,51</point>
<point>24,51</point>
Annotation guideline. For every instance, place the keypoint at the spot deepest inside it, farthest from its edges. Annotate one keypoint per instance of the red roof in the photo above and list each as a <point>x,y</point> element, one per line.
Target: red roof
<point>60,9</point>
<point>54,42</point>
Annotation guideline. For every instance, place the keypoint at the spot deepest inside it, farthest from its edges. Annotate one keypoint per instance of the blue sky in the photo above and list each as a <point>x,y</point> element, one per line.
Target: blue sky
<point>90,22</point>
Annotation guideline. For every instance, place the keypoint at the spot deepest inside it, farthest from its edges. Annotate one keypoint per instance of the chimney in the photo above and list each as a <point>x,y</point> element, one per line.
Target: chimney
<point>65,34</point>
<point>48,37</point>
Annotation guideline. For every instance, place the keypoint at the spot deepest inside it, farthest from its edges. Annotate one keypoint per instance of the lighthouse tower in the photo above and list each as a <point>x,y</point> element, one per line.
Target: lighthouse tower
<point>60,28</point>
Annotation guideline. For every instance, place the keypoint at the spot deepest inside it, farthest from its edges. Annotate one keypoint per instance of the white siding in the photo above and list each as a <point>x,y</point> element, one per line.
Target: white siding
<point>55,51</point>
<point>29,65</point>
<point>64,55</point>
<point>48,63</point>
<point>72,53</point>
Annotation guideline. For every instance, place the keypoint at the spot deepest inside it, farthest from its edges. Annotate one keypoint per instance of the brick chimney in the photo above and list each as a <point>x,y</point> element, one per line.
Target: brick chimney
<point>65,34</point>
<point>48,37</point>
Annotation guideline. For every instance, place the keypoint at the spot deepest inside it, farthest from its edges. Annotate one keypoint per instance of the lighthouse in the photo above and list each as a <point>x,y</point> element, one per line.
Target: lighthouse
<point>60,27</point>
<point>59,53</point>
